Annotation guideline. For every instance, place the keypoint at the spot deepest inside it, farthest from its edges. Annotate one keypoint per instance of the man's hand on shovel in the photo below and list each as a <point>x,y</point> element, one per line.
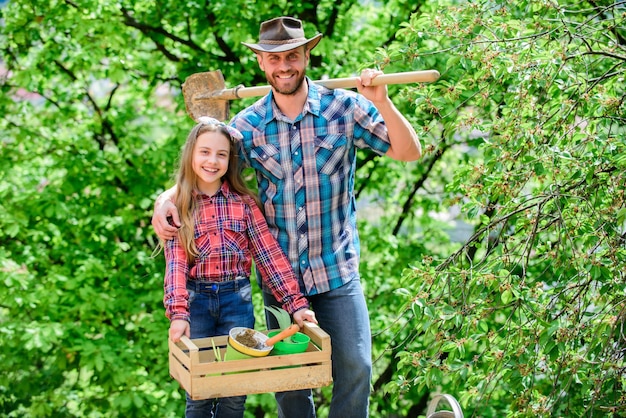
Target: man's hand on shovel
<point>374,93</point>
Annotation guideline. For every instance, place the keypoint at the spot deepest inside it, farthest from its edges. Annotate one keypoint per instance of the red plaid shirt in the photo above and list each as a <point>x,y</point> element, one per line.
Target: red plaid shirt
<point>230,231</point>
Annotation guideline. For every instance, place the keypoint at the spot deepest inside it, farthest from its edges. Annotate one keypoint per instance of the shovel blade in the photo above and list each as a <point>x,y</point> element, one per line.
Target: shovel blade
<point>197,91</point>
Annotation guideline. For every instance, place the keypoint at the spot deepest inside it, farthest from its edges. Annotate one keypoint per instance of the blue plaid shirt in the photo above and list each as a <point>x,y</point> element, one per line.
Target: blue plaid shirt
<point>305,172</point>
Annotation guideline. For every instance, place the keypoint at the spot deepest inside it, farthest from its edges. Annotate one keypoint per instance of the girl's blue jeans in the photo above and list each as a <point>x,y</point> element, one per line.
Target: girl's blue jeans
<point>215,308</point>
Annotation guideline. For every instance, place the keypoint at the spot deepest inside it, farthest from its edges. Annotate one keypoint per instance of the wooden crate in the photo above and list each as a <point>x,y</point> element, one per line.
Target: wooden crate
<point>192,364</point>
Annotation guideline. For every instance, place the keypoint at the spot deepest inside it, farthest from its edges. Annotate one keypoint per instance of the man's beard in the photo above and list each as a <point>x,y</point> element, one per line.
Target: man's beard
<point>287,91</point>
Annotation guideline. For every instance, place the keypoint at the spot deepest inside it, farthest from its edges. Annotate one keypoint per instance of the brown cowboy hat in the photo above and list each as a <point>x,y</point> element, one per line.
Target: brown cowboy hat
<point>282,34</point>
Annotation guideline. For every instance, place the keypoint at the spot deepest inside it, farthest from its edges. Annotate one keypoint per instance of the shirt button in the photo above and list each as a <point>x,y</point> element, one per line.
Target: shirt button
<point>303,262</point>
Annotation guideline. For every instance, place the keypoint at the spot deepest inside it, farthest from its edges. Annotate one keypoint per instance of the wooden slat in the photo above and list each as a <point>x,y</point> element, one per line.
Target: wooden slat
<point>317,335</point>
<point>262,381</point>
<point>269,362</point>
<point>180,373</point>
<point>179,354</point>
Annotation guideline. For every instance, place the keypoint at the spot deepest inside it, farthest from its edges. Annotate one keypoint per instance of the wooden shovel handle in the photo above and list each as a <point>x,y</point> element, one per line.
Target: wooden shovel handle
<point>424,76</point>
<point>287,332</point>
<point>394,78</point>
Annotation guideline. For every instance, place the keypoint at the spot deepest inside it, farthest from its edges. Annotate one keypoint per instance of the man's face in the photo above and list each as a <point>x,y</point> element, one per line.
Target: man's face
<point>285,71</point>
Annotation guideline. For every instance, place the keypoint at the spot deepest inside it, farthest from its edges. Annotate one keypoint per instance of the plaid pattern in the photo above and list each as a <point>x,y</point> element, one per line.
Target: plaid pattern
<point>230,232</point>
<point>305,171</point>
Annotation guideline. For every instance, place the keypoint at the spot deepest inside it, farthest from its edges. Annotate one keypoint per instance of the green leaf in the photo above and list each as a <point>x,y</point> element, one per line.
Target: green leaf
<point>282,316</point>
<point>506,297</point>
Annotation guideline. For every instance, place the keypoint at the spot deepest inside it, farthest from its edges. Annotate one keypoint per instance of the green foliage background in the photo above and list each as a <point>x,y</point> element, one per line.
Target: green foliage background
<point>494,267</point>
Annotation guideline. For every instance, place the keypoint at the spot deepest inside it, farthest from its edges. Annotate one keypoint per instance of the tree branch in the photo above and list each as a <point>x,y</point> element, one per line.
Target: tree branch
<point>434,157</point>
<point>148,30</point>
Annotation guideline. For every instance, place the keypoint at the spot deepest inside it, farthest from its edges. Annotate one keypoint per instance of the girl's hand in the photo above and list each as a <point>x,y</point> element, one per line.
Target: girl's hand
<point>304,315</point>
<point>178,327</point>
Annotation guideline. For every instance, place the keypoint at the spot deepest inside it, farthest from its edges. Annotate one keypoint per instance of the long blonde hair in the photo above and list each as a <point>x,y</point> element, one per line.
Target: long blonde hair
<point>187,183</point>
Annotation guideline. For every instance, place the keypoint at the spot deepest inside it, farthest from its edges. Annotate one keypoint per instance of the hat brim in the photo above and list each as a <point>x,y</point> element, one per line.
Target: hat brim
<point>311,43</point>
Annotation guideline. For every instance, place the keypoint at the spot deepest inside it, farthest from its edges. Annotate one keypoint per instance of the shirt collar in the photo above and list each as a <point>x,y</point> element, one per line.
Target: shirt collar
<point>312,104</point>
<point>224,190</point>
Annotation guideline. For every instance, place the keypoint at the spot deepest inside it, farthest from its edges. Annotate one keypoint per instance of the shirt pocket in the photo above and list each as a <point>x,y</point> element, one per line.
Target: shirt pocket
<point>266,159</point>
<point>331,152</point>
<point>235,235</point>
<point>202,236</point>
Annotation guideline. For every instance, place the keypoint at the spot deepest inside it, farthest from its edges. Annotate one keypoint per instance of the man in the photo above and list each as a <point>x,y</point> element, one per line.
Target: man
<point>301,140</point>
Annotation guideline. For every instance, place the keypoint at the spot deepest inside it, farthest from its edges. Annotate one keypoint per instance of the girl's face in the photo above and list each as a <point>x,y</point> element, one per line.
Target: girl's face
<point>210,160</point>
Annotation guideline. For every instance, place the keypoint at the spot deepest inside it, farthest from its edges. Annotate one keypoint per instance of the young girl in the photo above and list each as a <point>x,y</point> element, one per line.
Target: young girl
<point>207,278</point>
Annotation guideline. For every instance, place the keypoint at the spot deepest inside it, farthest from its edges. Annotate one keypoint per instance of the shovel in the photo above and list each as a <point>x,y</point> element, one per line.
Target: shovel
<point>262,344</point>
<point>205,94</point>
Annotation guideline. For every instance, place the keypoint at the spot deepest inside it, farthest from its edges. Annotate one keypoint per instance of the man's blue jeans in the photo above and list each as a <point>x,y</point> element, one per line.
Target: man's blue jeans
<point>342,313</point>
<point>215,308</point>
